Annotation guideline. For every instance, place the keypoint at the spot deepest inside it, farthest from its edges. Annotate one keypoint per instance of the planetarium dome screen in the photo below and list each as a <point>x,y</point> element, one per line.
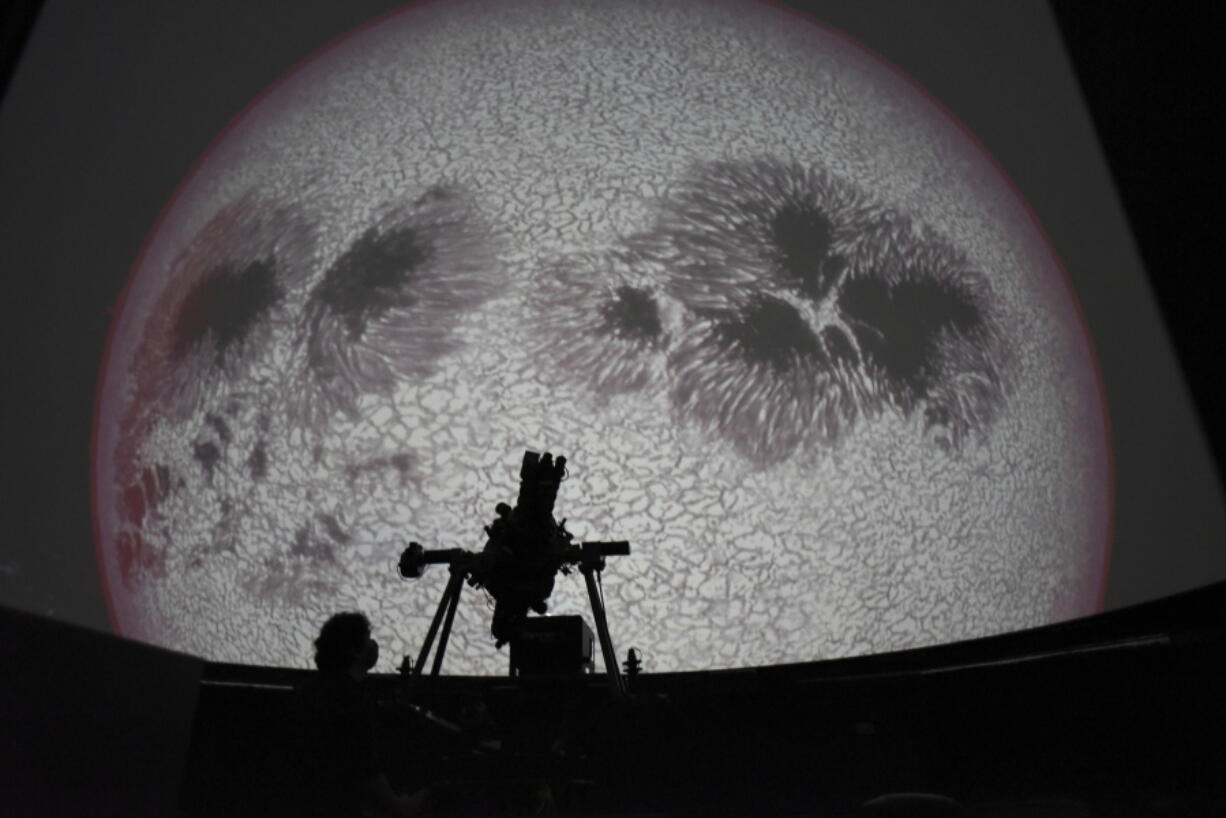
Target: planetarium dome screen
<point>802,339</point>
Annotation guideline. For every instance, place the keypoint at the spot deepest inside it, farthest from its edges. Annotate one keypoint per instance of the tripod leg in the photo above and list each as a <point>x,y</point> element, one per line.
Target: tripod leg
<point>602,631</point>
<point>445,604</point>
<point>454,602</point>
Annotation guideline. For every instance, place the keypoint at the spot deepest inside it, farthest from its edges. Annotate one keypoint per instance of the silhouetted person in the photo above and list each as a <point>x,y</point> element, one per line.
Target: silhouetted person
<point>339,770</point>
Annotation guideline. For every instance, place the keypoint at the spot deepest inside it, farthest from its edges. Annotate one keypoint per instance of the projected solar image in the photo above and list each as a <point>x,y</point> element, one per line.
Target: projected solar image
<point>801,342</point>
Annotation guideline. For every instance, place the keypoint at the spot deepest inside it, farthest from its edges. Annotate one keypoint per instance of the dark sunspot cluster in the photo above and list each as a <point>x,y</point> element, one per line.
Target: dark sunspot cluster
<point>224,307</point>
<point>228,295</point>
<point>387,306</point>
<point>600,317</point>
<point>778,304</point>
<point>255,317</point>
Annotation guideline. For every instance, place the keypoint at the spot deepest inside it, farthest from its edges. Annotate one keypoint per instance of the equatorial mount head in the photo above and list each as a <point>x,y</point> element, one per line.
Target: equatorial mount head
<point>525,548</point>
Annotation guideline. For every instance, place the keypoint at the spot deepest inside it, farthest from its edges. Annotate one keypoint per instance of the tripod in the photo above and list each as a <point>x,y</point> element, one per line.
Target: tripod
<point>589,556</point>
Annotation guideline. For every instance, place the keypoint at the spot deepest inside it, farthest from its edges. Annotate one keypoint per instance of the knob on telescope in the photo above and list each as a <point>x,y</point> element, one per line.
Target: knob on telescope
<point>413,561</point>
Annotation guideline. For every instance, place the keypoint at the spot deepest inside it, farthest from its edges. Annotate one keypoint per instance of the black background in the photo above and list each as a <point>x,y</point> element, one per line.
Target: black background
<point>1148,73</point>
<point>1148,77</point>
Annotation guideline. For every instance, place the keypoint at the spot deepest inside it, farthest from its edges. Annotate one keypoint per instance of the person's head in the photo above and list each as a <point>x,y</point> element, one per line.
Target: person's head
<point>344,645</point>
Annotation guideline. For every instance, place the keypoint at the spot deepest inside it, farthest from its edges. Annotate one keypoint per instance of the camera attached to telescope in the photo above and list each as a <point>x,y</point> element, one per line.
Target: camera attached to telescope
<point>525,549</point>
